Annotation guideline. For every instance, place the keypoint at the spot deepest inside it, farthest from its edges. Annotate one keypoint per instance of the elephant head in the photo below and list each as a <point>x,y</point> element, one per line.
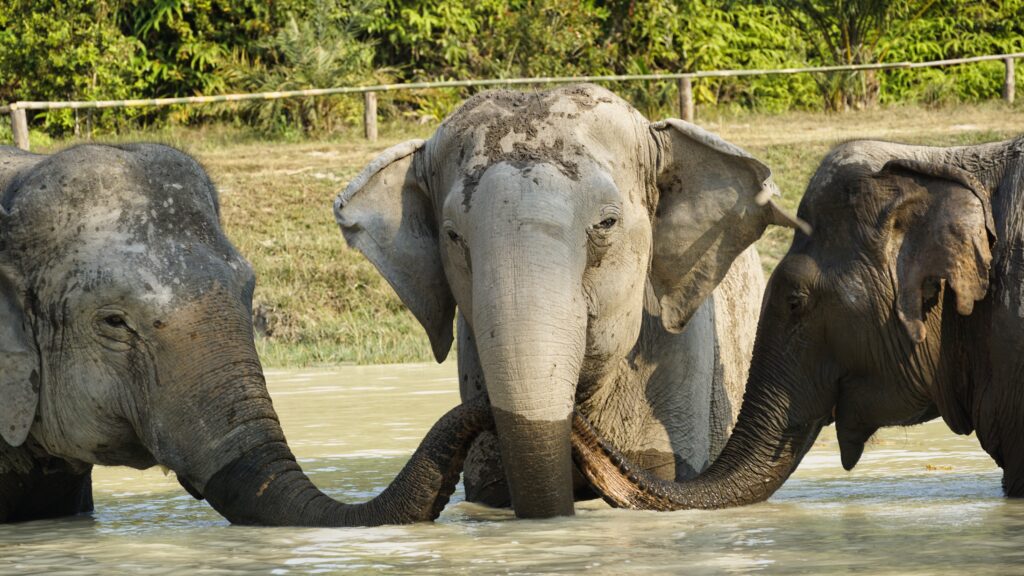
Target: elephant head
<point>127,340</point>
<point>548,218</point>
<point>862,323</point>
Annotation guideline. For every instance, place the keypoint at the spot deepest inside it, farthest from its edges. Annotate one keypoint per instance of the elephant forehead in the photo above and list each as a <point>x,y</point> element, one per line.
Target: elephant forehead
<point>515,126</point>
<point>498,112</point>
<point>153,244</point>
<point>845,178</point>
<point>97,189</point>
<point>131,222</point>
<point>158,276</point>
<point>574,130</point>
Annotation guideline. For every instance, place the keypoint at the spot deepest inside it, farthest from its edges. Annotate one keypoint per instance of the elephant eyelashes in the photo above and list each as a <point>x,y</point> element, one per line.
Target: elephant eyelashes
<point>113,329</point>
<point>797,300</point>
<point>449,231</point>
<point>115,321</point>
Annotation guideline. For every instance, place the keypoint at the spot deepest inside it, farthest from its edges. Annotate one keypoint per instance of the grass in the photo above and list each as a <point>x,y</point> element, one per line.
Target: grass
<point>318,302</point>
<point>795,142</point>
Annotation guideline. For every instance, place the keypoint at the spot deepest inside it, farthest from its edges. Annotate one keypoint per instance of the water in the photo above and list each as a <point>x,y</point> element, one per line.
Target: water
<point>922,500</point>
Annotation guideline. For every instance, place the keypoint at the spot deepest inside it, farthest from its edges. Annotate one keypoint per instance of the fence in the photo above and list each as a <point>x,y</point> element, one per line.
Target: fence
<point>19,120</point>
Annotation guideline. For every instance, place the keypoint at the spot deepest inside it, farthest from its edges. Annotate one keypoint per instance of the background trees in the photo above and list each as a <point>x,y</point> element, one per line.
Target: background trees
<point>109,49</point>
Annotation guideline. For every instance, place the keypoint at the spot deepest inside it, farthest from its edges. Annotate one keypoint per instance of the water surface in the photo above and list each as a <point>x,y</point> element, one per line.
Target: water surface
<point>922,500</point>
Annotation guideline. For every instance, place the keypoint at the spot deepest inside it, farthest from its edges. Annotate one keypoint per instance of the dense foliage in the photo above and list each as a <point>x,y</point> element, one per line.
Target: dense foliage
<point>110,49</point>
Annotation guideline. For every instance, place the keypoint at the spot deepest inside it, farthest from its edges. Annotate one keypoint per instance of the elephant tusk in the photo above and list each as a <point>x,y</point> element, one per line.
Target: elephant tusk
<point>165,470</point>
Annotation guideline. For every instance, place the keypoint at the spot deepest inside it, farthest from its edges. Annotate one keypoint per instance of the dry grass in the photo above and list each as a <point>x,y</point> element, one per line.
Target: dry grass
<point>321,303</point>
<point>794,143</point>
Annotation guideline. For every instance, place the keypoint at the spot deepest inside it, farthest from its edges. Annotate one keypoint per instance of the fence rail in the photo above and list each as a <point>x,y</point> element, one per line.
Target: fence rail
<point>19,123</point>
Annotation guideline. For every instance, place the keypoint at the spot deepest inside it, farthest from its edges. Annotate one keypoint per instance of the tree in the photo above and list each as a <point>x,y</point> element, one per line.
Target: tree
<point>67,50</point>
<point>320,51</point>
<point>848,32</point>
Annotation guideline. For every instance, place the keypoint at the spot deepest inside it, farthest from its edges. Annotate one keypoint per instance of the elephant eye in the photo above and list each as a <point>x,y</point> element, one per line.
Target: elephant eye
<point>115,321</point>
<point>797,300</point>
<point>449,231</point>
<point>606,223</point>
<point>112,330</point>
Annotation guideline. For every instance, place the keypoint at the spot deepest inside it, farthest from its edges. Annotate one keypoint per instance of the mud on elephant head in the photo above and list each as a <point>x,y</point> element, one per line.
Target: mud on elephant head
<point>548,218</point>
<point>126,339</point>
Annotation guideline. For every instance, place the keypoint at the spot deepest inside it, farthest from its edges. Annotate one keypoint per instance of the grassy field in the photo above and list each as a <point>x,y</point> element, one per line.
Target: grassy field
<point>317,302</point>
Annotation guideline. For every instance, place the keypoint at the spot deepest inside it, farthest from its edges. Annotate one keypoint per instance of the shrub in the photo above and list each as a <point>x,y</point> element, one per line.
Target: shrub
<point>305,55</point>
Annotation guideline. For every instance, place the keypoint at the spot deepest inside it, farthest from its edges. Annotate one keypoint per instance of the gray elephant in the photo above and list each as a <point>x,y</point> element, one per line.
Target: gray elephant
<point>905,304</point>
<point>577,240</point>
<point>126,339</point>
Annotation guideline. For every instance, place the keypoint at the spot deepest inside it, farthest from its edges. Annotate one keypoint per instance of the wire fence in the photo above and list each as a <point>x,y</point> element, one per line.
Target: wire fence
<point>19,119</point>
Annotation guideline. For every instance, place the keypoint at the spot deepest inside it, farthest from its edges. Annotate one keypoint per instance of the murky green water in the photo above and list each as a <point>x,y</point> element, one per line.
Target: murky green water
<point>921,501</point>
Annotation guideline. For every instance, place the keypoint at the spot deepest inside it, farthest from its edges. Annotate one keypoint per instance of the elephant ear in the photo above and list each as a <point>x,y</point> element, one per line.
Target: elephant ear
<point>949,237</point>
<point>19,365</point>
<point>386,214</point>
<point>714,201</point>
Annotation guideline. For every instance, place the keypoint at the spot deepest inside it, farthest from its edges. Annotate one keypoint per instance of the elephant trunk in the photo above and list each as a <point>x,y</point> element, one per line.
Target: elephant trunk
<point>215,426</point>
<point>531,338</point>
<point>265,486</point>
<point>531,370</point>
<point>765,448</point>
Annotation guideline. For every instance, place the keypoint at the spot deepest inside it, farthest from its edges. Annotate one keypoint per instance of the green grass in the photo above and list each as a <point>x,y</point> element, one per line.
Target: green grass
<point>319,302</point>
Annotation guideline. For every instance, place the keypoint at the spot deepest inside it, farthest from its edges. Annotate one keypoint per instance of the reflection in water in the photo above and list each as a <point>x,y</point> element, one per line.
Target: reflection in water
<point>921,500</point>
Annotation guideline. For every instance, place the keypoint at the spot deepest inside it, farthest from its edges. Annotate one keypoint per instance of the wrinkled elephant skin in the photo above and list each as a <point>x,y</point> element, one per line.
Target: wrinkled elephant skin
<point>906,303</point>
<point>581,245</point>
<point>126,339</point>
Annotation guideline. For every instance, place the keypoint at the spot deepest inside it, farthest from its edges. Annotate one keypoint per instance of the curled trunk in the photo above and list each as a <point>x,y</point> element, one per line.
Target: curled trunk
<point>267,487</point>
<point>767,444</point>
<point>217,429</point>
<point>738,477</point>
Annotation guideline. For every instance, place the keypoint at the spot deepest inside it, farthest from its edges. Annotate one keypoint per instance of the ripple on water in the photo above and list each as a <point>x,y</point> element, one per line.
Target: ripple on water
<point>921,501</point>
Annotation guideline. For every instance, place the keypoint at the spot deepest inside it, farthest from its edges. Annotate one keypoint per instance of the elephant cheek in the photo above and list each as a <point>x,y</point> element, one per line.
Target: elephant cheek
<point>614,319</point>
<point>613,337</point>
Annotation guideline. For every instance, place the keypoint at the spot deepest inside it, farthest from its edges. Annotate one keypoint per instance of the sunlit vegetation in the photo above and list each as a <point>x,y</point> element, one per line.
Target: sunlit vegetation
<point>318,302</point>
<point>112,49</point>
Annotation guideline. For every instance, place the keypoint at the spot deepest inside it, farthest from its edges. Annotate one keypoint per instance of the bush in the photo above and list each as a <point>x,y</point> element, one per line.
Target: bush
<point>301,56</point>
<point>954,29</point>
<point>113,49</point>
<point>68,50</point>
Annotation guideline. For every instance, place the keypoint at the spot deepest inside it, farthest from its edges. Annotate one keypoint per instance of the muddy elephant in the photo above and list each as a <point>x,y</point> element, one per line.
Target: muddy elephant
<point>126,339</point>
<point>577,241</point>
<point>906,303</point>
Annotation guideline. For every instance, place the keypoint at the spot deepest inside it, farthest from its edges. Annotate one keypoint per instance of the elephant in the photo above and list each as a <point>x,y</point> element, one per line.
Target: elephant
<point>580,245</point>
<point>126,339</point>
<point>905,304</point>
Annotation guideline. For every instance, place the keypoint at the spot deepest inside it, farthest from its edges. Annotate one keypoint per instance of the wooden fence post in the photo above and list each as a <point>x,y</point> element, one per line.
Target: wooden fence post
<point>19,127</point>
<point>370,116</point>
<point>1008,84</point>
<point>686,99</point>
